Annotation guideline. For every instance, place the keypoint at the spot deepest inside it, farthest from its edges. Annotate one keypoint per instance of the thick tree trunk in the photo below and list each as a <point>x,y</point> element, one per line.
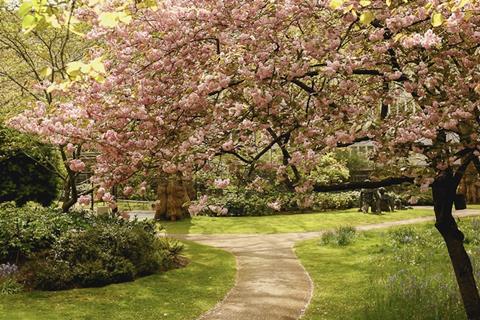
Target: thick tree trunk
<point>172,194</point>
<point>444,189</point>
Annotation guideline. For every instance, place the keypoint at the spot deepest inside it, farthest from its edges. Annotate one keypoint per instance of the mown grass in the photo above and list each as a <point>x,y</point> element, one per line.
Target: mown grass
<point>287,223</point>
<point>177,294</point>
<point>378,278</point>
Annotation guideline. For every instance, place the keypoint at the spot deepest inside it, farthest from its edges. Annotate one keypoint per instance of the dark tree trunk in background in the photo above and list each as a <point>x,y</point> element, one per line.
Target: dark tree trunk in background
<point>444,190</point>
<point>70,194</point>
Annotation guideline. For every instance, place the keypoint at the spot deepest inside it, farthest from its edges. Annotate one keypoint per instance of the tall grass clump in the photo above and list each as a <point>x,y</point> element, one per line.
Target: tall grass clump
<point>341,236</point>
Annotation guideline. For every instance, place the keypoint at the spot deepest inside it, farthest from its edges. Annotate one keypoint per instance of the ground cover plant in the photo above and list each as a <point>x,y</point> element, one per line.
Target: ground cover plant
<point>179,294</point>
<point>43,248</point>
<point>402,273</point>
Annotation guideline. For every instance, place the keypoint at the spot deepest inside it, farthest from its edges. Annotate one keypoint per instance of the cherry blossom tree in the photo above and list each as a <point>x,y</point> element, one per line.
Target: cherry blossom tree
<point>174,85</point>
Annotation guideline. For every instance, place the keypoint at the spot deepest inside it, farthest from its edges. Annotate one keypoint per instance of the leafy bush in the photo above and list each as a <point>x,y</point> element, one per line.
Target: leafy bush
<point>110,252</point>
<point>29,229</point>
<point>26,169</point>
<point>345,235</point>
<point>342,236</point>
<point>60,251</point>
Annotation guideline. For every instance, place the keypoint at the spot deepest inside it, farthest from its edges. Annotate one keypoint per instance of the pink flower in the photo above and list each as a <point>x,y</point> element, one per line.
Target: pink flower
<point>127,191</point>
<point>70,148</point>
<point>169,168</point>
<point>76,165</point>
<point>107,197</point>
<point>276,205</point>
<point>430,39</point>
<point>100,192</point>
<point>228,146</point>
<point>84,200</point>
<point>221,184</point>
<point>196,207</point>
<point>263,72</point>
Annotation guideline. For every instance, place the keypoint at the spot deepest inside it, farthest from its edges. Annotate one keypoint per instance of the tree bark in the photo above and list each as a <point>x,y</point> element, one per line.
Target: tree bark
<point>172,194</point>
<point>444,190</point>
<point>70,196</point>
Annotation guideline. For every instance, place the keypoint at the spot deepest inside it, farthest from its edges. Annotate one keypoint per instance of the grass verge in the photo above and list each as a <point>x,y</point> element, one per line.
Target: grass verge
<point>400,273</point>
<point>287,223</point>
<point>175,295</point>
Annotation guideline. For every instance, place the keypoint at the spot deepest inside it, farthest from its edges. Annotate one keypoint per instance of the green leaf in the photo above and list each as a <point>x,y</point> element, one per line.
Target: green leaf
<point>437,19</point>
<point>108,19</point>
<point>365,3</point>
<point>29,22</point>
<point>73,68</point>
<point>335,4</point>
<point>25,8</point>
<point>45,72</point>
<point>97,65</point>
<point>367,17</point>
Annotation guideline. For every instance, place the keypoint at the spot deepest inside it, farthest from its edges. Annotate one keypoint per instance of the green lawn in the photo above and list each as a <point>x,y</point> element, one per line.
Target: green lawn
<point>287,223</point>
<point>350,281</point>
<point>178,294</point>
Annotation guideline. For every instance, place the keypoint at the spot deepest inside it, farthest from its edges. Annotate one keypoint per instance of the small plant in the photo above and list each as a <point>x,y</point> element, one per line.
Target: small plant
<point>171,251</point>
<point>328,237</point>
<point>403,236</point>
<point>10,286</point>
<point>345,235</point>
<point>342,236</point>
<point>7,270</point>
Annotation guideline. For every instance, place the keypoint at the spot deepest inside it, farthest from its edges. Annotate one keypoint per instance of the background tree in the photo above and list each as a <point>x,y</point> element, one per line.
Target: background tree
<point>38,40</point>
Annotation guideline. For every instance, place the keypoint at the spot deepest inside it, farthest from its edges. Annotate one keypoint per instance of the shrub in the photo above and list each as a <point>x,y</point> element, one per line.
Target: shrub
<point>57,251</point>
<point>112,251</point>
<point>26,170</point>
<point>328,237</point>
<point>29,229</point>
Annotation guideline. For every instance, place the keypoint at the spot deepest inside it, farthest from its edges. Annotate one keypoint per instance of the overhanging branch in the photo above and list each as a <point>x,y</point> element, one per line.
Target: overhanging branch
<point>392,181</point>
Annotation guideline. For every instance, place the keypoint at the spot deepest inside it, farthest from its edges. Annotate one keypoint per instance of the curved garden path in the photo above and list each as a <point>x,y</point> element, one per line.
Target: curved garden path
<point>271,283</point>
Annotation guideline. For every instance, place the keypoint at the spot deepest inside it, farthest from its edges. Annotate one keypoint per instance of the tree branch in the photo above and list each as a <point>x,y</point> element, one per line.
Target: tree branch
<point>391,181</point>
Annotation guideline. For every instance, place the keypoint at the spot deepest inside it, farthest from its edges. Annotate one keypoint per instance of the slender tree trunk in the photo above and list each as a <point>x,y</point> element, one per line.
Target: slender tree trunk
<point>444,190</point>
<point>70,196</point>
